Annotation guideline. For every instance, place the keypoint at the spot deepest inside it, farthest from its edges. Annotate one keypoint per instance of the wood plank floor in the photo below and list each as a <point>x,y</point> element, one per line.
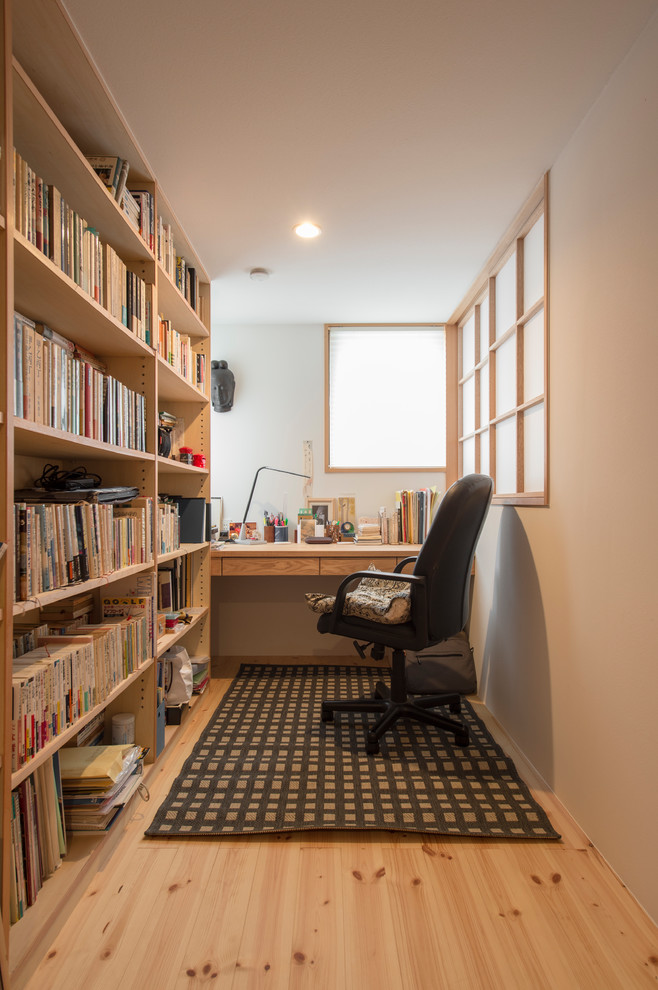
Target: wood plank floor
<point>350,910</point>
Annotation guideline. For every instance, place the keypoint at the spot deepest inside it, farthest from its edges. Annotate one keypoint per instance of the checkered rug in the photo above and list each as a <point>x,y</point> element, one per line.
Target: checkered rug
<point>267,763</point>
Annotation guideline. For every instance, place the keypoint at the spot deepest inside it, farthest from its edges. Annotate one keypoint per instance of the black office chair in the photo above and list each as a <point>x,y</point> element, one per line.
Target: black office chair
<point>439,602</point>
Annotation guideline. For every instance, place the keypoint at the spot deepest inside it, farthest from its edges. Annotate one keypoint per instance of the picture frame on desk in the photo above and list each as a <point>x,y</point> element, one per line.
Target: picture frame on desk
<point>346,508</point>
<point>323,508</point>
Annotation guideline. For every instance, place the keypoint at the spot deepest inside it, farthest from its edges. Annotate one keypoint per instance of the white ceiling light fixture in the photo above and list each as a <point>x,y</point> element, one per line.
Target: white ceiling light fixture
<point>259,274</point>
<point>307,229</point>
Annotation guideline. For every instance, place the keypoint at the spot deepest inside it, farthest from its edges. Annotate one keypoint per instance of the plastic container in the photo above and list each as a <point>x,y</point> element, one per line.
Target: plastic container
<point>123,728</point>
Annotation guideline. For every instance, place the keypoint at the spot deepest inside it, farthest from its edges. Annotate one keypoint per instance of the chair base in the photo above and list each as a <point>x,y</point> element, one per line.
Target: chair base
<point>394,704</point>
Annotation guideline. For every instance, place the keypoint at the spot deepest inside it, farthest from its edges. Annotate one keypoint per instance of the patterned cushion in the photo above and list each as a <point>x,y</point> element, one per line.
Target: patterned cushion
<point>373,598</point>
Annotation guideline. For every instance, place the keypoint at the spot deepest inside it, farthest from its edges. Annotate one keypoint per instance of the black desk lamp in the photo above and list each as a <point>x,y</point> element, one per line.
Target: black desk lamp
<point>242,538</point>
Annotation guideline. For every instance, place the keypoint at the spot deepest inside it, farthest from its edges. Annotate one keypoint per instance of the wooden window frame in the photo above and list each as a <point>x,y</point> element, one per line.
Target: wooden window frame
<point>484,288</point>
<point>450,388</point>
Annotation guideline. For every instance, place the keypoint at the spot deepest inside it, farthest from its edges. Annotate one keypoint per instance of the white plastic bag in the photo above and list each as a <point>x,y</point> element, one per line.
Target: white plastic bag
<point>178,676</point>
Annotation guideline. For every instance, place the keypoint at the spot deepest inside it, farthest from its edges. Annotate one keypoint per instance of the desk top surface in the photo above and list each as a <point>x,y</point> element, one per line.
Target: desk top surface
<point>329,550</point>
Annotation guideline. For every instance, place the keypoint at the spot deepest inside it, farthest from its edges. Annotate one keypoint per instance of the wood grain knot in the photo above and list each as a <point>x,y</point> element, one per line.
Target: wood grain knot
<point>299,957</point>
<point>556,878</point>
<point>535,879</point>
<point>381,872</point>
<point>357,875</point>
<point>428,850</point>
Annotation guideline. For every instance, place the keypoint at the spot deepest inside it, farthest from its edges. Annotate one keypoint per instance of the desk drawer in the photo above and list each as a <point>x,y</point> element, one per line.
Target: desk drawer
<point>347,565</point>
<point>282,565</point>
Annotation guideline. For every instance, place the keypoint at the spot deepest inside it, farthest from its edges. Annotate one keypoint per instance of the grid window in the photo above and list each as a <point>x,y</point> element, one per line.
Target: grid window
<point>502,348</point>
<point>385,397</point>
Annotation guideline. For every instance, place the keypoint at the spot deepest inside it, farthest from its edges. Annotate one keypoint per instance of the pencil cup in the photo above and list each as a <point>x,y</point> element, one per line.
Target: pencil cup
<point>269,533</point>
<point>280,534</point>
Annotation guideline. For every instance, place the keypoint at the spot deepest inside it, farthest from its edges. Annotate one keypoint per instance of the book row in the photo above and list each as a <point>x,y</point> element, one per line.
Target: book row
<point>58,544</point>
<point>38,836</point>
<point>137,204</point>
<point>183,275</point>
<point>60,681</point>
<point>59,384</point>
<point>415,511</point>
<point>177,350</point>
<point>46,220</point>
<point>175,585</point>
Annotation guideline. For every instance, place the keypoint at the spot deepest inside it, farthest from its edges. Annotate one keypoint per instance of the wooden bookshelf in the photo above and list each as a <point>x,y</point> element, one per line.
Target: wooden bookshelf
<point>56,110</point>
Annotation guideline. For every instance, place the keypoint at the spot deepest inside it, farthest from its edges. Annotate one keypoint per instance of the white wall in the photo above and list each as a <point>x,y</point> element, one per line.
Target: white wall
<point>564,613</point>
<point>279,403</point>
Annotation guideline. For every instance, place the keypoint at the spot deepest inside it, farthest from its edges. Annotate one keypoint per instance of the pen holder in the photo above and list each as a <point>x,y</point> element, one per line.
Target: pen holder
<point>268,532</point>
<point>280,534</point>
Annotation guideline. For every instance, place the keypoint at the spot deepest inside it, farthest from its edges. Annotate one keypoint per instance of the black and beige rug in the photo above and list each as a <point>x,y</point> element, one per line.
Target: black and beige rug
<point>267,763</point>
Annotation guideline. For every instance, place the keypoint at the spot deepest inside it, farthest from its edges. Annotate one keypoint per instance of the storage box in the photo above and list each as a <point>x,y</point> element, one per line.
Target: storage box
<point>174,714</point>
<point>192,513</point>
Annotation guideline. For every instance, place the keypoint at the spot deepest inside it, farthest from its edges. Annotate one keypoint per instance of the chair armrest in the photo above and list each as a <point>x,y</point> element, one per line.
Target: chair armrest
<point>403,563</point>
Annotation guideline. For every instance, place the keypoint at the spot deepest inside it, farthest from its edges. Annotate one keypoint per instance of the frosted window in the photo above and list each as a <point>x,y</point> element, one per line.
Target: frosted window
<point>387,397</point>
<point>506,297</point>
<point>533,265</point>
<point>484,395</point>
<point>484,453</point>
<point>468,406</point>
<point>468,456</point>
<point>506,456</point>
<point>533,357</point>
<point>533,445</point>
<point>484,327</point>
<point>468,346</point>
<point>506,376</point>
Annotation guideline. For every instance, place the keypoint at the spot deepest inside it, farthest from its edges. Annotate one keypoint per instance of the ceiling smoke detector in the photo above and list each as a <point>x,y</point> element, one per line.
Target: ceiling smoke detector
<point>259,274</point>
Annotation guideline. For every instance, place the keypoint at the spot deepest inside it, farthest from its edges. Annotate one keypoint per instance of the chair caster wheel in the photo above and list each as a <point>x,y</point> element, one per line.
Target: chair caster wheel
<point>372,746</point>
<point>326,715</point>
<point>461,739</point>
<point>455,707</point>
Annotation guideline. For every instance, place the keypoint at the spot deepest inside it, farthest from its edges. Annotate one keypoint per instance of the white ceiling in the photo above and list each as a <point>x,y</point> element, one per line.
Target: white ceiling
<point>411,131</point>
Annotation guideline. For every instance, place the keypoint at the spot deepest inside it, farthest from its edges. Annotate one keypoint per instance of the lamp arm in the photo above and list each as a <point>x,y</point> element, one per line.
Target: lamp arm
<point>243,534</point>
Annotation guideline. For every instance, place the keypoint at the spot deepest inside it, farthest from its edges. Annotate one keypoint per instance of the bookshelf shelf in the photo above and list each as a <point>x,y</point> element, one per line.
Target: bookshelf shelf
<point>19,775</point>
<point>173,387</point>
<point>49,597</point>
<point>170,639</point>
<point>55,109</point>
<point>184,549</point>
<point>45,441</point>
<point>43,292</point>
<point>167,465</point>
<point>178,310</point>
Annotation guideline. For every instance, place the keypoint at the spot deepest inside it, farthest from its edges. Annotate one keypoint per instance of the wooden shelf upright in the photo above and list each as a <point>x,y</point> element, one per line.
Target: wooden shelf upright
<point>55,110</point>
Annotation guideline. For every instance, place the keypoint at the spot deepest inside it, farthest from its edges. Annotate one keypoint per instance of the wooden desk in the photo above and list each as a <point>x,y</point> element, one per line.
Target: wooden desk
<point>292,559</point>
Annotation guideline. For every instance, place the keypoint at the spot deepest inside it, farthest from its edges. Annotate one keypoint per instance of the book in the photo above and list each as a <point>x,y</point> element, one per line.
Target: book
<point>108,170</point>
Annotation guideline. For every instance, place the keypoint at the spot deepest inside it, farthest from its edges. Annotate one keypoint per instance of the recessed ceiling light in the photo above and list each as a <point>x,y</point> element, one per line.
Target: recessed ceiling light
<point>307,229</point>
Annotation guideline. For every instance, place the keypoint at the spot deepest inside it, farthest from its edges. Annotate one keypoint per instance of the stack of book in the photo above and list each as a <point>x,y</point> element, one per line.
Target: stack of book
<point>368,531</point>
<point>97,781</point>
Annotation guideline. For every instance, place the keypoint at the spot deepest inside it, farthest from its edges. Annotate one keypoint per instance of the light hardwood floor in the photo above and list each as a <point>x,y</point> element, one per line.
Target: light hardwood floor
<point>353,910</point>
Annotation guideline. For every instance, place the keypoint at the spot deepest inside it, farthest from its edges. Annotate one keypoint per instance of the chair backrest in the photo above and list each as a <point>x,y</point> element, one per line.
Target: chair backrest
<point>446,557</point>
